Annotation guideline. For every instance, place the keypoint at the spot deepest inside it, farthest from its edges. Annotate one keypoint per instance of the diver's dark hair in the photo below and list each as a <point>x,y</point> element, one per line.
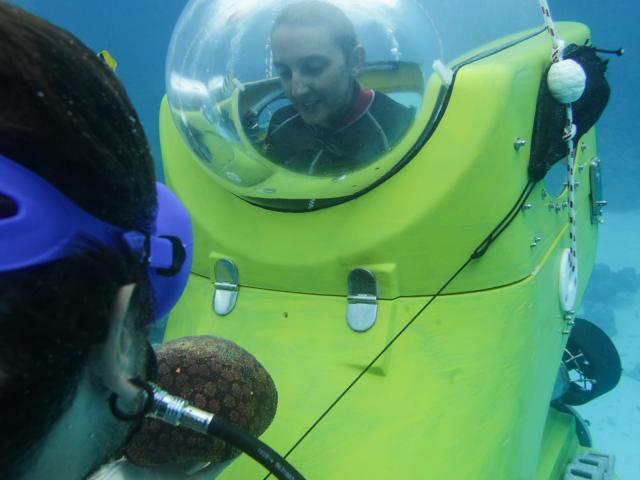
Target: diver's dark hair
<point>320,14</point>
<point>65,116</point>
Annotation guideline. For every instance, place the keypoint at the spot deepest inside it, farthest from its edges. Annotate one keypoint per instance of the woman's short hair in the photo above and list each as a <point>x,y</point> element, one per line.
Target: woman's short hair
<point>315,13</point>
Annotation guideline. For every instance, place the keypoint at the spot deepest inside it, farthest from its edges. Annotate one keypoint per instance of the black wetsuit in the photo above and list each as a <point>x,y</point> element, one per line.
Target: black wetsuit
<point>372,126</point>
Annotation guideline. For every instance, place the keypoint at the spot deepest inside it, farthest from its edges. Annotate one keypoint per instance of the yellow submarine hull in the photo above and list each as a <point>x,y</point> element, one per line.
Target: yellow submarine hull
<point>464,391</point>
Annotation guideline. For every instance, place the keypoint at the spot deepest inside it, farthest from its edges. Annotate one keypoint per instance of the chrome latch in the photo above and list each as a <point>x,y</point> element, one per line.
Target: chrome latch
<point>362,298</point>
<point>225,281</point>
<point>597,202</point>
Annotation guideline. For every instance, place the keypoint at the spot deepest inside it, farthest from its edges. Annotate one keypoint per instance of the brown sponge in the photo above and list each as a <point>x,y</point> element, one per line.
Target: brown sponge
<point>215,375</point>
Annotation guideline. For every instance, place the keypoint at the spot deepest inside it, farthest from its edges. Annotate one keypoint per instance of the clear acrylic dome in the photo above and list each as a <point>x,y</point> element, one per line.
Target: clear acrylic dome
<point>236,73</point>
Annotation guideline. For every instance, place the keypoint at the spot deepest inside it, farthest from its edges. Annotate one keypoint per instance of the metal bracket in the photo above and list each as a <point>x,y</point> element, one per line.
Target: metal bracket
<point>362,306</point>
<point>518,143</point>
<point>592,465</point>
<point>536,240</point>
<point>225,293</point>
<point>597,202</point>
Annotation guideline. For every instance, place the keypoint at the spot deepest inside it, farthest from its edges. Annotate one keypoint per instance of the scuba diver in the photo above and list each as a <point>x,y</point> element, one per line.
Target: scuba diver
<point>332,123</point>
<point>75,168</point>
<point>92,252</point>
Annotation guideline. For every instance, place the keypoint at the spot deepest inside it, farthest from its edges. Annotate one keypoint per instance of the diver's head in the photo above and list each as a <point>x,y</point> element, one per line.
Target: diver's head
<point>72,329</point>
<point>317,55</point>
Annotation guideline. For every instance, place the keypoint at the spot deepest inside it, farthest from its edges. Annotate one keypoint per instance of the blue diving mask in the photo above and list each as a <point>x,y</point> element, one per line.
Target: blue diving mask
<point>48,226</point>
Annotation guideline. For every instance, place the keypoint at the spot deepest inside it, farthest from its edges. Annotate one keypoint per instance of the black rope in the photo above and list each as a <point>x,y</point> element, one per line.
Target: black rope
<point>478,252</point>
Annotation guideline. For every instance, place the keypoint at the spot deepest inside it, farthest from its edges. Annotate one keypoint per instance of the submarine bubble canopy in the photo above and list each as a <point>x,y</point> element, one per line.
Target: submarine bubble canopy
<point>225,92</point>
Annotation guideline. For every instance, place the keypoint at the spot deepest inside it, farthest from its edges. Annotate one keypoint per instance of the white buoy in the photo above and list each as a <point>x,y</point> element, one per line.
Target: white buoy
<point>566,81</point>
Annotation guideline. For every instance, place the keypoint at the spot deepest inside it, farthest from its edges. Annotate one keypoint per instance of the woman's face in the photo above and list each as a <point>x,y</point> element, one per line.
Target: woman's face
<point>316,75</point>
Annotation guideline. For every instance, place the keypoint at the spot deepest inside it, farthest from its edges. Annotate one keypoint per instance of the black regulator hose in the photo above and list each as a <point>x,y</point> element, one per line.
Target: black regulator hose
<point>259,451</point>
<point>177,411</point>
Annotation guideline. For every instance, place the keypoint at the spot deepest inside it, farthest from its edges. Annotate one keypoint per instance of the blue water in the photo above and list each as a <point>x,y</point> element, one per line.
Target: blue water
<point>137,35</point>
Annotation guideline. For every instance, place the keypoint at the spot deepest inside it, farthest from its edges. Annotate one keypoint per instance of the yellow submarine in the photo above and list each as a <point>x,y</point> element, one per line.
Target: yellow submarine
<point>416,313</point>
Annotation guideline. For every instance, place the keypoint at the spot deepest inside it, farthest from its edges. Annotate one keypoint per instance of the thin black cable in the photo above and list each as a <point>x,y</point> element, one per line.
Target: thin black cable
<point>375,359</point>
<point>504,223</point>
<point>477,253</point>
